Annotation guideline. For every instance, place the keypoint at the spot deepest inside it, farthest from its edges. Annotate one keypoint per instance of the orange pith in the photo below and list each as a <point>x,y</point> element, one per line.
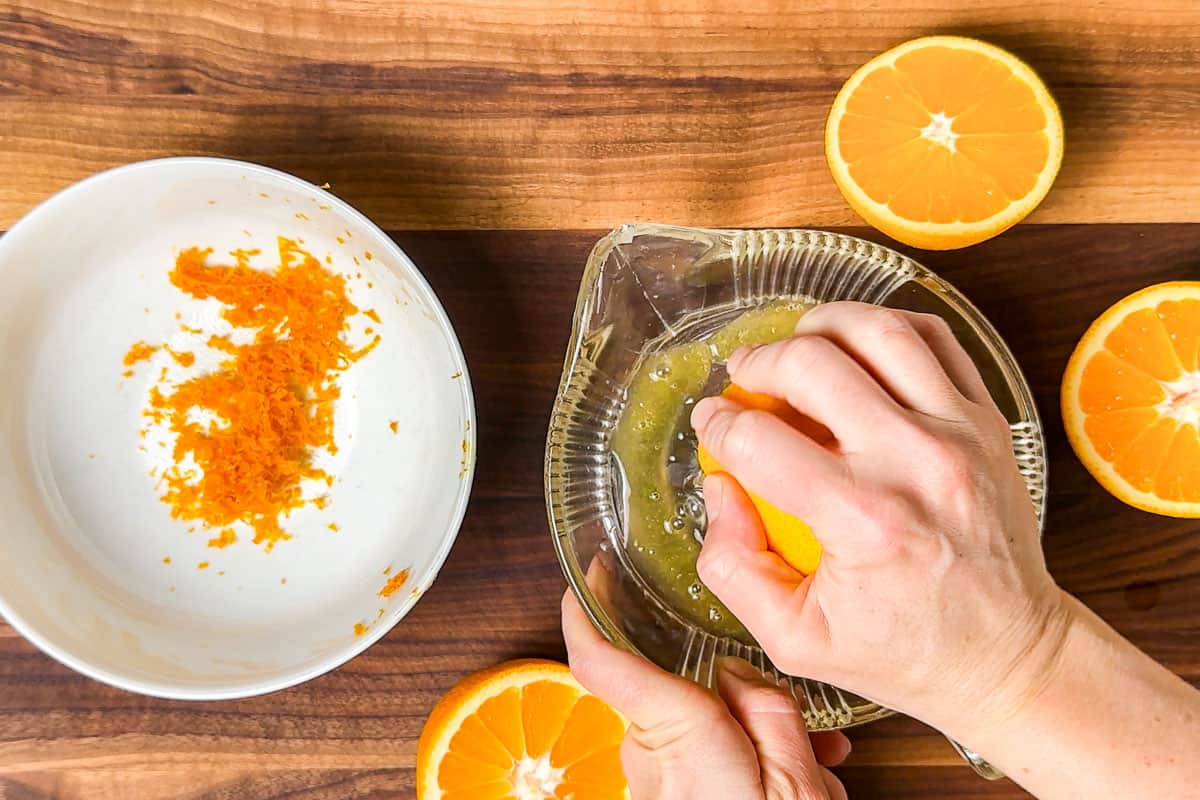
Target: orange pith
<point>522,730</point>
<point>944,141</point>
<point>1131,399</point>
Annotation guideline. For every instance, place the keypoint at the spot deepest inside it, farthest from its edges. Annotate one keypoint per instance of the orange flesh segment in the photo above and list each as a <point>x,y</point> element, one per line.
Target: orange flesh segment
<point>590,724</point>
<point>1181,318</point>
<point>502,716</point>
<point>1140,462</point>
<point>545,708</point>
<point>582,791</point>
<point>577,732</point>
<point>459,772</point>
<point>477,742</point>
<point>1113,431</point>
<point>1178,478</point>
<point>1110,384</point>
<point>496,790</point>
<point>1134,413</point>
<point>1141,340</point>
<point>1000,151</point>
<point>596,769</point>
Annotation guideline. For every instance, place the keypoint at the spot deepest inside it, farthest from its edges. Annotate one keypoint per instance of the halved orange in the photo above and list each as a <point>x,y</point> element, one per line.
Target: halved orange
<point>522,730</point>
<point>944,141</point>
<point>787,536</point>
<point>1131,399</point>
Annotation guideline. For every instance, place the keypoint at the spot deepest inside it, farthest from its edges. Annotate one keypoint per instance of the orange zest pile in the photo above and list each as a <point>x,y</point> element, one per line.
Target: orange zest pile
<point>245,433</point>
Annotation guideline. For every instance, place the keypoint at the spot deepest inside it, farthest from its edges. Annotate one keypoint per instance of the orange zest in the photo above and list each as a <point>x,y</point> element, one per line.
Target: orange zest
<point>788,537</point>
<point>394,583</point>
<point>1131,399</point>
<point>245,432</point>
<point>522,730</point>
<point>140,351</point>
<point>225,538</point>
<point>944,141</point>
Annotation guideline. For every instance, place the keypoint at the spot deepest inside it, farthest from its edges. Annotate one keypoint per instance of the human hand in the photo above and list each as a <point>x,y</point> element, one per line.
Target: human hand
<point>932,596</point>
<point>686,743</point>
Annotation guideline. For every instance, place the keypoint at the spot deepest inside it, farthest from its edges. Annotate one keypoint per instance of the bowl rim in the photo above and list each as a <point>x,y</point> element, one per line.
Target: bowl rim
<point>285,678</point>
<point>982,326</point>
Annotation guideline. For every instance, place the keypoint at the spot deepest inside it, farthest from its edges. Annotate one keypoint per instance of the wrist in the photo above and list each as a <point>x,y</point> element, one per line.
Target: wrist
<point>1101,706</point>
<point>1007,676</point>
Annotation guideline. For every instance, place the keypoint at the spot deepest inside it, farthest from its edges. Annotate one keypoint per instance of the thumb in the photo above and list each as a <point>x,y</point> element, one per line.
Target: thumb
<point>645,694</point>
<point>762,591</point>
<point>775,726</point>
<point>682,741</point>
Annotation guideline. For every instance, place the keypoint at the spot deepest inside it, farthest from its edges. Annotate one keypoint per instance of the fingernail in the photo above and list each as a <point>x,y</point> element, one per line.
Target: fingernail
<point>743,670</point>
<point>703,412</point>
<point>739,355</point>
<point>847,746</point>
<point>714,497</point>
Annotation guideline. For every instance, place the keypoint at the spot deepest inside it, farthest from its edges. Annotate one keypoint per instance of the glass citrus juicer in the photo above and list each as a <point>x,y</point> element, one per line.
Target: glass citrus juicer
<point>659,309</point>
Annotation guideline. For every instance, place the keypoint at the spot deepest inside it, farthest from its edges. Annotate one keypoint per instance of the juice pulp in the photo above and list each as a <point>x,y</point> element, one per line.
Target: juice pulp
<point>656,447</point>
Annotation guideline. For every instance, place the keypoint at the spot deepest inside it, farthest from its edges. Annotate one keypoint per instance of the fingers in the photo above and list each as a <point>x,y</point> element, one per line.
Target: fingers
<point>887,344</point>
<point>833,787</point>
<point>915,356</point>
<point>831,747</point>
<point>953,358</point>
<point>775,726</point>
<point>772,459</point>
<point>820,379</point>
<point>762,591</point>
<point>682,742</point>
<point>735,554</point>
<point>645,694</point>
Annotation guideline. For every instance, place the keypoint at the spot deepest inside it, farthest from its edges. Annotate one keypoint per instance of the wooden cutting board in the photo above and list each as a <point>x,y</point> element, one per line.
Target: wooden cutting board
<point>497,142</point>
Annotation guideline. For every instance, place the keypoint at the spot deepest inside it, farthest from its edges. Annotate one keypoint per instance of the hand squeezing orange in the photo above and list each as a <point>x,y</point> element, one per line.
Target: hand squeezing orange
<point>787,536</point>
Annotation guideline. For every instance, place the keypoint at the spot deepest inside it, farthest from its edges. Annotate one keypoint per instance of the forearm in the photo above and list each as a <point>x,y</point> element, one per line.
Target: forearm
<point>1106,721</point>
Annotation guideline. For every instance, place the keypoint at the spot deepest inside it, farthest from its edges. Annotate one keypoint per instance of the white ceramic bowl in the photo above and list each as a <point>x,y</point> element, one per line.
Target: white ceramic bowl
<point>84,535</point>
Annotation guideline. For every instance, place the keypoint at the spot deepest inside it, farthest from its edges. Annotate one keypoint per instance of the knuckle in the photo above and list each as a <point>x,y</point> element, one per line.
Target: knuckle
<point>889,324</point>
<point>887,518</point>
<point>933,323</point>
<point>697,713</point>
<point>951,466</point>
<point>716,568</point>
<point>770,700</point>
<point>986,426</point>
<point>996,423</point>
<point>890,522</point>
<point>743,435</point>
<point>801,353</point>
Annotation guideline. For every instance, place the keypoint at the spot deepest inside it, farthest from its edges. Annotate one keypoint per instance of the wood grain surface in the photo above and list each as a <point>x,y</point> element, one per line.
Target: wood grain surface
<point>434,114</point>
<point>352,733</point>
<point>458,124</point>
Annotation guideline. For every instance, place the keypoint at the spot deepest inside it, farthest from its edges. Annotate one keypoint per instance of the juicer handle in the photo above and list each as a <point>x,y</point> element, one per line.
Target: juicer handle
<point>976,762</point>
